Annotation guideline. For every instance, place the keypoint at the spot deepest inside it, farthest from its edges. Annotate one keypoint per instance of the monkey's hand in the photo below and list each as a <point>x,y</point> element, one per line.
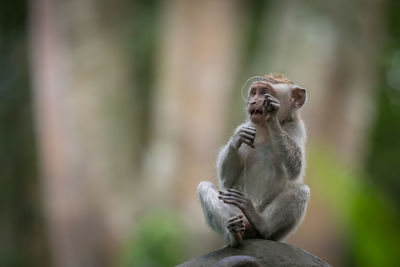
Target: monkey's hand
<point>252,221</point>
<point>271,105</point>
<point>236,226</point>
<point>245,135</point>
<point>238,199</point>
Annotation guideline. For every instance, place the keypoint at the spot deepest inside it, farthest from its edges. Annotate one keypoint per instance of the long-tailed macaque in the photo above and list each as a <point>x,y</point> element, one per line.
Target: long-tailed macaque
<point>261,168</point>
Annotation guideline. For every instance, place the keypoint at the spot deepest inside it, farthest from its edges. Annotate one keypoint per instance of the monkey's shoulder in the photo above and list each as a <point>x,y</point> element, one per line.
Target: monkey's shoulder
<point>296,130</point>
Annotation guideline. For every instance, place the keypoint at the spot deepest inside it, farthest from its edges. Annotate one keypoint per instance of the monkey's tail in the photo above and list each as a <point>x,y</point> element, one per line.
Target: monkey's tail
<point>238,261</point>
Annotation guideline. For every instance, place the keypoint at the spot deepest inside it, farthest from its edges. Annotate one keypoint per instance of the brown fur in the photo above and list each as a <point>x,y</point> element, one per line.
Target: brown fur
<point>278,78</point>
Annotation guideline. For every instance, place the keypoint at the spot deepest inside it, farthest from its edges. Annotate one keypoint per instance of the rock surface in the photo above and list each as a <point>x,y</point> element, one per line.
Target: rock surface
<point>257,252</point>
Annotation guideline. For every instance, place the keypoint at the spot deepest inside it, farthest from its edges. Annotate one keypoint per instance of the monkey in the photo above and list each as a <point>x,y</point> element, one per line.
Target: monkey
<point>261,168</point>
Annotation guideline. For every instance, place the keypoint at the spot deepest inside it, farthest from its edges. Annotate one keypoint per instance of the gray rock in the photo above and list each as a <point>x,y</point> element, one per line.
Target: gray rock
<point>257,252</point>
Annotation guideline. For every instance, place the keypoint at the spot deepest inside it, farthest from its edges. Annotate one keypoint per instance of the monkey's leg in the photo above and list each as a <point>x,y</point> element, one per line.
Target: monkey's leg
<point>286,211</point>
<point>217,213</point>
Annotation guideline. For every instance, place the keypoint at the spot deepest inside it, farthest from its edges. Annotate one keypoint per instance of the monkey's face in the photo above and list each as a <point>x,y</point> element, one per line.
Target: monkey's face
<point>290,97</point>
<point>255,102</point>
<point>256,99</point>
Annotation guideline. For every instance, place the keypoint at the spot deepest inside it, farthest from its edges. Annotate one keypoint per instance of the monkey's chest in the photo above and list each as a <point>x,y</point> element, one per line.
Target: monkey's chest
<point>259,160</point>
<point>261,177</point>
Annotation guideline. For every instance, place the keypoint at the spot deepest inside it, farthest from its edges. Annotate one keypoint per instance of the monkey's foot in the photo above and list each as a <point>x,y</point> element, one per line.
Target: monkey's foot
<point>236,227</point>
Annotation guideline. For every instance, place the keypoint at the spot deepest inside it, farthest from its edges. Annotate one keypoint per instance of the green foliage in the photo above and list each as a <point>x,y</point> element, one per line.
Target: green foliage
<point>383,159</point>
<point>158,240</point>
<point>368,215</point>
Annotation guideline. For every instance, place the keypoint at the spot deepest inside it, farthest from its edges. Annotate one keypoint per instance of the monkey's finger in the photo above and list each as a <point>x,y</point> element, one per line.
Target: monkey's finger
<point>266,95</point>
<point>233,229</point>
<point>232,198</point>
<point>236,223</point>
<point>247,142</point>
<point>237,229</point>
<point>223,195</point>
<point>242,198</point>
<point>265,102</point>
<point>269,100</point>
<point>272,98</point>
<point>250,128</point>
<point>233,194</point>
<point>247,136</point>
<point>274,105</point>
<point>235,191</point>
<point>226,196</point>
<point>234,219</point>
<point>231,201</point>
<point>240,216</point>
<point>248,131</point>
<point>273,101</point>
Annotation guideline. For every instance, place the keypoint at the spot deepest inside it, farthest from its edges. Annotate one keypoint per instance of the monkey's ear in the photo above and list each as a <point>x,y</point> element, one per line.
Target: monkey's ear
<point>299,96</point>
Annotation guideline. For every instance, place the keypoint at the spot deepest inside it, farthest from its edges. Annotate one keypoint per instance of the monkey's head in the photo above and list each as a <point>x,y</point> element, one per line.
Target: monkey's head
<point>291,97</point>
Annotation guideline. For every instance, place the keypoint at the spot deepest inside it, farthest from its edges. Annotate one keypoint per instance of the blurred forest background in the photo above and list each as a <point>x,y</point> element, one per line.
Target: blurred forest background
<point>111,113</point>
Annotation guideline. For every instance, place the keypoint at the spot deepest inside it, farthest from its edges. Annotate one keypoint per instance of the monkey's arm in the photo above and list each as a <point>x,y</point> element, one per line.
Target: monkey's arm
<point>228,166</point>
<point>289,152</point>
<point>228,162</point>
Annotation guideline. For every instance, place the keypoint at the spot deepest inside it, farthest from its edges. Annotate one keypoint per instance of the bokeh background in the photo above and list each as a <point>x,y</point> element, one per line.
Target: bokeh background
<point>111,113</point>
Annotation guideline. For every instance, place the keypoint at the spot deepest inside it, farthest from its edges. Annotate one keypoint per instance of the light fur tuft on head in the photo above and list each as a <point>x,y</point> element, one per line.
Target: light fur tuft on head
<point>278,78</point>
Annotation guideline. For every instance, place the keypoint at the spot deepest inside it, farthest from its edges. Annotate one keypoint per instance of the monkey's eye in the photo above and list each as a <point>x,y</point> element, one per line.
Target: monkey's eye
<point>253,93</point>
<point>264,92</point>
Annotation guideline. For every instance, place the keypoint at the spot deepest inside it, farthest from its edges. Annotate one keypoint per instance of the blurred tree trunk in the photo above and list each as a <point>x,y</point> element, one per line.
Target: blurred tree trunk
<point>196,72</point>
<point>22,232</point>
<point>85,121</point>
